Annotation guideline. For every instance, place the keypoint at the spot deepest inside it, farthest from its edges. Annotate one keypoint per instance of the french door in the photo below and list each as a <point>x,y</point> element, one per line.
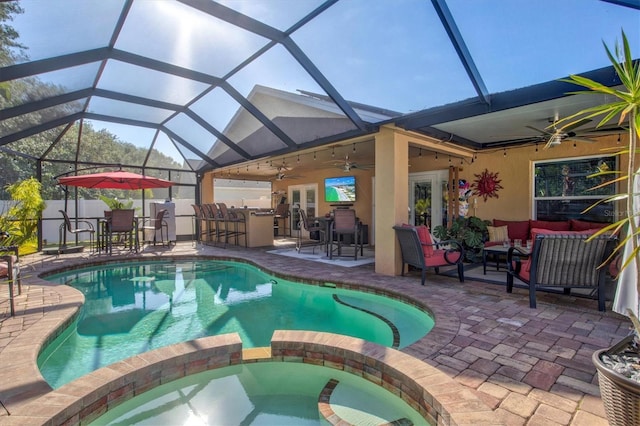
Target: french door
<point>427,203</point>
<point>302,197</point>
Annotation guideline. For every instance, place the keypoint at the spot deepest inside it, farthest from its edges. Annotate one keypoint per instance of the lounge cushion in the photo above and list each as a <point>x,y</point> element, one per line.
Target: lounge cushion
<point>583,225</point>
<point>498,233</point>
<point>4,266</point>
<point>518,230</point>
<point>438,258</point>
<point>561,225</point>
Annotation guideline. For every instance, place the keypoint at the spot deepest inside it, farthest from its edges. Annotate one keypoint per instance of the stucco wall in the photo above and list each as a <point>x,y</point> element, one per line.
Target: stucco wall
<point>515,170</point>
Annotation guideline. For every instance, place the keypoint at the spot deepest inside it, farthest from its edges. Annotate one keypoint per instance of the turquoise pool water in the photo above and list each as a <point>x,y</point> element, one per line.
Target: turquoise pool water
<point>269,393</point>
<point>135,307</point>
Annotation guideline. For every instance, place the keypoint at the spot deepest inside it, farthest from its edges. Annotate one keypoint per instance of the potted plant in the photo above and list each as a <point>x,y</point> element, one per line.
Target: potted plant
<point>470,232</point>
<point>115,204</point>
<point>618,371</point>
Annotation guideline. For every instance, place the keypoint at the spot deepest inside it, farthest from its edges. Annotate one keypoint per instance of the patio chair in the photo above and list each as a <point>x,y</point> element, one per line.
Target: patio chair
<point>562,261</point>
<point>122,225</point>
<point>310,226</point>
<point>345,223</point>
<point>66,226</point>
<point>155,226</point>
<point>422,253</point>
<point>10,271</point>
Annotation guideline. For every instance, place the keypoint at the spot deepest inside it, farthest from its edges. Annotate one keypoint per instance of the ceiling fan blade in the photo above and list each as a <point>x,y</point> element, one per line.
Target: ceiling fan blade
<point>544,132</point>
<point>576,125</point>
<point>580,139</point>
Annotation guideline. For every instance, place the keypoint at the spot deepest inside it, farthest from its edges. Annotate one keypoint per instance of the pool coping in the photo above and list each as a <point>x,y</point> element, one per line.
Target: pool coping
<point>438,398</point>
<point>23,352</point>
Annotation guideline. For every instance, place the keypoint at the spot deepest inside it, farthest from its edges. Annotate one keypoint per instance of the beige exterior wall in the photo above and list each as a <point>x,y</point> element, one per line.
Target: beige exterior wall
<point>515,171</point>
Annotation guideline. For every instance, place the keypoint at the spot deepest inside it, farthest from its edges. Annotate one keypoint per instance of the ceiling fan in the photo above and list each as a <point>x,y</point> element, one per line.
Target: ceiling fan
<point>558,135</point>
<point>281,175</point>
<point>347,165</point>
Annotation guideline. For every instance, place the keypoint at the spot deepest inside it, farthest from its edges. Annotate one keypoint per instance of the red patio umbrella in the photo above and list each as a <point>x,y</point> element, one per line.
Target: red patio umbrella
<point>118,179</point>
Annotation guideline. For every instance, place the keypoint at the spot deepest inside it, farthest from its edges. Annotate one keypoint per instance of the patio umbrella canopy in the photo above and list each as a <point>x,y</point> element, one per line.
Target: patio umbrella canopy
<point>115,180</point>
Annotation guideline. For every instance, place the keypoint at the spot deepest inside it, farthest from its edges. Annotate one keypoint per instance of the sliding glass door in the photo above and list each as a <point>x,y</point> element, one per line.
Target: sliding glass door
<point>302,197</point>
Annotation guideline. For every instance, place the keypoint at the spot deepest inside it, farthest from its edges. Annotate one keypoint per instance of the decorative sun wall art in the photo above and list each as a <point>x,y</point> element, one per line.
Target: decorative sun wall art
<point>486,184</point>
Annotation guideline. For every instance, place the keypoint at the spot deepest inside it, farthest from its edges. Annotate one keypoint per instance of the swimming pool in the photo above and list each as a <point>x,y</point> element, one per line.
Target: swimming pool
<point>132,308</point>
<point>266,393</point>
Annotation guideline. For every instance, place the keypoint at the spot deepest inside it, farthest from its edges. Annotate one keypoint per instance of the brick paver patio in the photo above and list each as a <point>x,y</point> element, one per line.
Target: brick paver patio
<point>531,366</point>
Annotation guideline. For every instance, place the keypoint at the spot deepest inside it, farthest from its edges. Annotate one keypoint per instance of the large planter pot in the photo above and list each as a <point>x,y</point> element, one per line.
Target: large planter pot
<point>620,395</point>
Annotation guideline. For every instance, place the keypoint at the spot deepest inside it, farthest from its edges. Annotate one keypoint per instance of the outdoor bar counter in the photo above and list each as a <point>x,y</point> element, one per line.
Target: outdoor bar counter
<point>259,225</point>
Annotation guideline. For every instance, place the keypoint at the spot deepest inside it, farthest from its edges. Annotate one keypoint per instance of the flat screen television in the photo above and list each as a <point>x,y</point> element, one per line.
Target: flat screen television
<point>340,189</point>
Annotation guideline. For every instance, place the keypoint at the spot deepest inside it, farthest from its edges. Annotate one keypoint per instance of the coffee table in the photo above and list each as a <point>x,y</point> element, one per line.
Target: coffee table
<point>499,252</point>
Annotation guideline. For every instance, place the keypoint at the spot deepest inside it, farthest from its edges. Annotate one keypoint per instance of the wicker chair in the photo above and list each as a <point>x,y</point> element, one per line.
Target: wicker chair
<point>562,261</point>
<point>424,255</point>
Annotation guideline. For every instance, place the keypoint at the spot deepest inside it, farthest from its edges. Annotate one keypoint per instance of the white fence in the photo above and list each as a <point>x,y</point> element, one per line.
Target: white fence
<point>91,210</point>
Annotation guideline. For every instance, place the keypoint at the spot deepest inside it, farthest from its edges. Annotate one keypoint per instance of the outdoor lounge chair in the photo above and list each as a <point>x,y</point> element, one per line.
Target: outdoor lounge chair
<point>345,224</point>
<point>422,253</point>
<point>66,226</point>
<point>122,225</point>
<point>10,271</point>
<point>152,226</point>
<point>310,226</point>
<point>562,261</point>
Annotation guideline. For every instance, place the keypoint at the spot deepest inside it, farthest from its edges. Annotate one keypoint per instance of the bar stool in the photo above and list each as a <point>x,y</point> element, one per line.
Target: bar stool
<point>214,220</point>
<point>235,219</point>
<point>282,214</point>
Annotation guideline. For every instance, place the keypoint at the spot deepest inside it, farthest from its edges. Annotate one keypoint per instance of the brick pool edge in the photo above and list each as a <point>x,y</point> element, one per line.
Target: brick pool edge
<point>430,392</point>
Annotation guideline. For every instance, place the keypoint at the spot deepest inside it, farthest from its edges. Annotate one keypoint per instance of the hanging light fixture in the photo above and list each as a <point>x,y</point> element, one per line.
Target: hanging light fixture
<point>504,152</point>
<point>333,152</point>
<point>314,155</point>
<point>354,148</point>
<point>419,152</point>
<point>436,155</point>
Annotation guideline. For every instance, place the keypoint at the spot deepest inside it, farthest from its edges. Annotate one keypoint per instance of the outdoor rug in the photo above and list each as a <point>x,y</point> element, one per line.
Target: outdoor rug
<point>307,254</point>
<point>473,271</point>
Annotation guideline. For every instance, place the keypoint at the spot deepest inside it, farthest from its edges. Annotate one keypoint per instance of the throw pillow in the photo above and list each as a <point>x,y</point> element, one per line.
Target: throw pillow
<point>498,233</point>
<point>560,225</point>
<point>583,225</point>
<point>518,229</point>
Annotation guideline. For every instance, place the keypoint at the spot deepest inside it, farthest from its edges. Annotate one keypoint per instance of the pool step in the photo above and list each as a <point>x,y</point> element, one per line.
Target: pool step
<point>325,410</point>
